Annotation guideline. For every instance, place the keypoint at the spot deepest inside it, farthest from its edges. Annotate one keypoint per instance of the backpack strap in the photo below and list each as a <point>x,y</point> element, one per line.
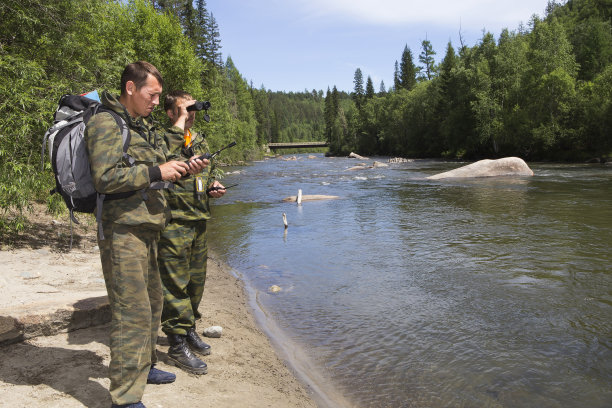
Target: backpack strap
<point>99,202</point>
<point>126,137</point>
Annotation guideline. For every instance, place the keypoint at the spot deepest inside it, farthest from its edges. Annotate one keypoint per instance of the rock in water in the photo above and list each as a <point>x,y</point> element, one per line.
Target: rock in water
<point>400,160</point>
<point>274,289</point>
<point>507,166</point>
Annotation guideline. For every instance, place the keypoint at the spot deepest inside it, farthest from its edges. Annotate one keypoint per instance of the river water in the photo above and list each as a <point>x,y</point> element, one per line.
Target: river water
<point>407,292</point>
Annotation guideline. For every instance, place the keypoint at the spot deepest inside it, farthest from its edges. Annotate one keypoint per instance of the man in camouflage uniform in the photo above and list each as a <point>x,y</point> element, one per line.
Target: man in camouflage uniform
<point>182,247</point>
<point>131,225</point>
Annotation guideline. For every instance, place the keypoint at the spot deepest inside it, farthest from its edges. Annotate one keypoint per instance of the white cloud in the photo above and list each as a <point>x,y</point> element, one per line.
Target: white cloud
<point>472,13</point>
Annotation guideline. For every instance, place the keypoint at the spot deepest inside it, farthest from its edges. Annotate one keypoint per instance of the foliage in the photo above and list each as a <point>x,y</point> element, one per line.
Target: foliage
<point>49,48</point>
<point>289,117</point>
<point>543,93</point>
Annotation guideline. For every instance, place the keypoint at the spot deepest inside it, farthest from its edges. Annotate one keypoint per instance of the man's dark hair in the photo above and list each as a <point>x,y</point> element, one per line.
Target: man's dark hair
<point>172,97</point>
<point>138,72</point>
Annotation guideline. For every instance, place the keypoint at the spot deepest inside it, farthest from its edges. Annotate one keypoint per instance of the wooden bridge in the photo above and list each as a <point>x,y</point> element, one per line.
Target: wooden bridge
<point>296,145</point>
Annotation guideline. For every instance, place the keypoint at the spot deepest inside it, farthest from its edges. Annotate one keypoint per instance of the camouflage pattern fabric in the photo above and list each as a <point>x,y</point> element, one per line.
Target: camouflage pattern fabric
<point>111,174</point>
<point>182,247</point>
<point>182,259</point>
<point>184,202</point>
<point>129,264</point>
<point>129,251</point>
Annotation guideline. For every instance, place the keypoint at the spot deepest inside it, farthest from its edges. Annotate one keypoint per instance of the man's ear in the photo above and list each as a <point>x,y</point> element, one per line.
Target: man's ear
<point>130,87</point>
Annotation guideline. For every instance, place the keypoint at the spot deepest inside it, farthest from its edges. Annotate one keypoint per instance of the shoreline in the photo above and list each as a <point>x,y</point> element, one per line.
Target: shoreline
<point>69,369</point>
<point>294,355</point>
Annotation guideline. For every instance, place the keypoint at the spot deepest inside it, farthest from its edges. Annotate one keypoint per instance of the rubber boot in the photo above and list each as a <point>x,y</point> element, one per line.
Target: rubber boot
<point>196,344</point>
<point>181,356</point>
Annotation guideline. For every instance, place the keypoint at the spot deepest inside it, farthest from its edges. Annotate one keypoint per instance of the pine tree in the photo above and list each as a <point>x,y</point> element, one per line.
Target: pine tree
<point>337,130</point>
<point>396,77</point>
<point>382,89</point>
<point>174,7</point>
<point>448,64</point>
<point>335,101</point>
<point>214,40</point>
<point>358,92</point>
<point>201,41</point>
<point>407,77</point>
<point>188,21</point>
<point>427,59</point>
<point>329,116</point>
<point>369,92</point>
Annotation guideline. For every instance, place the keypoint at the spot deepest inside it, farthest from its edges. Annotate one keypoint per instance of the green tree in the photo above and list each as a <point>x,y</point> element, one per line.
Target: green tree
<point>598,115</point>
<point>381,89</point>
<point>329,115</point>
<point>201,36</point>
<point>214,41</point>
<point>426,57</point>
<point>369,91</point>
<point>47,48</point>
<point>407,75</point>
<point>240,104</point>
<point>552,83</point>
<point>261,101</point>
<point>358,91</point>
<point>589,27</point>
<point>486,106</point>
<point>508,82</point>
<point>397,84</point>
<point>447,66</point>
<point>337,127</point>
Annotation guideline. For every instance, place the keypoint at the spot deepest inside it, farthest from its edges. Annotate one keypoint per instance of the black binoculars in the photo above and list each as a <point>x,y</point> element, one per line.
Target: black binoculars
<point>198,106</point>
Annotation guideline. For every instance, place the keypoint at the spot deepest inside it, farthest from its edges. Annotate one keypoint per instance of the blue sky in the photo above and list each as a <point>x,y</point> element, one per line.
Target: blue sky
<point>293,45</point>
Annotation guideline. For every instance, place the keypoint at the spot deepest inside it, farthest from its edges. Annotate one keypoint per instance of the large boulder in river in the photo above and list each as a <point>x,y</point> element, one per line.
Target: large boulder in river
<point>507,166</point>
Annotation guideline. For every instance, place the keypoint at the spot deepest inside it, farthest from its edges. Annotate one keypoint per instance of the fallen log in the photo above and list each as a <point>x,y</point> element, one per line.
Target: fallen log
<point>310,197</point>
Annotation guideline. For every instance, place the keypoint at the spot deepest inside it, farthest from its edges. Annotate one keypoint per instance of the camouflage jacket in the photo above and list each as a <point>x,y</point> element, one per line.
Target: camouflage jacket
<point>184,201</point>
<point>112,174</point>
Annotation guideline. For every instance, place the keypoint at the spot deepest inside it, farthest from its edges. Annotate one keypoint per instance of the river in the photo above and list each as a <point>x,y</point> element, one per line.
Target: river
<point>408,292</point>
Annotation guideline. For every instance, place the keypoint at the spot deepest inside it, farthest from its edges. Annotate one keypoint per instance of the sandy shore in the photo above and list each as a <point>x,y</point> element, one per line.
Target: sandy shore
<point>70,369</point>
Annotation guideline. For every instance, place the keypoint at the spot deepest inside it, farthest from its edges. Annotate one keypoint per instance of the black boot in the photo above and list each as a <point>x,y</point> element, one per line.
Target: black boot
<point>196,344</point>
<point>181,356</point>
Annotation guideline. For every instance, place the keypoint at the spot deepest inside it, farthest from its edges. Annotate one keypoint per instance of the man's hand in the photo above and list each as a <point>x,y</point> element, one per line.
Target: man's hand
<point>216,190</point>
<point>173,170</point>
<point>197,165</point>
<point>180,116</point>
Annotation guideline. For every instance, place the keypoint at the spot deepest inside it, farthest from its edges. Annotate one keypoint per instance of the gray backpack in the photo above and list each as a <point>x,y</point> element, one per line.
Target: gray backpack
<point>69,159</point>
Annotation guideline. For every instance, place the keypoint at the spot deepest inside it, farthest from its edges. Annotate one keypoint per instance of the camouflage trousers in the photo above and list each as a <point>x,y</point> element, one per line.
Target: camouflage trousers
<point>129,264</point>
<point>182,259</point>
